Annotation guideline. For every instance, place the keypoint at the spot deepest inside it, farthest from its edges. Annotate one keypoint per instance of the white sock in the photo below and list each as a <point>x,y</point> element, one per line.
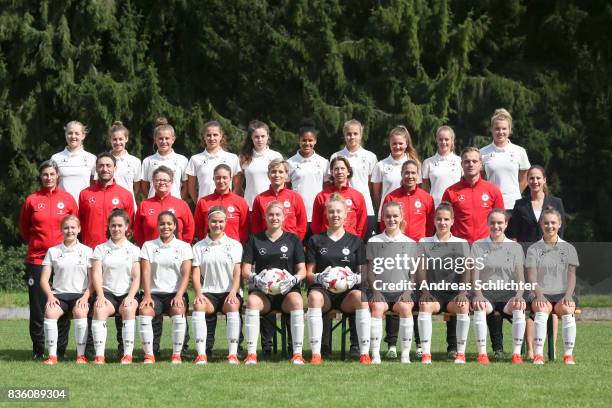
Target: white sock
<point>98,331</point>
<point>146,333</point>
<point>539,336</point>
<point>251,322</point>
<point>297,330</point>
<point>463,328</point>
<point>233,331</point>
<point>518,330</point>
<point>127,332</point>
<point>80,335</point>
<point>50,329</point>
<point>376,330</point>
<point>480,330</point>
<point>362,317</point>
<point>569,333</point>
<point>179,323</point>
<point>406,329</point>
<point>424,321</point>
<point>315,328</point>
<point>198,319</point>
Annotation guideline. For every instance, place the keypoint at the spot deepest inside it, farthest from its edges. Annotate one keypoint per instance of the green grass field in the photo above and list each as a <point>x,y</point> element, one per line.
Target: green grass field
<point>335,383</point>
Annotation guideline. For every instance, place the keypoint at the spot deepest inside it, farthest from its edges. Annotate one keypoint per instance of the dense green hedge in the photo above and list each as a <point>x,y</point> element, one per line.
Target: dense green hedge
<point>12,268</point>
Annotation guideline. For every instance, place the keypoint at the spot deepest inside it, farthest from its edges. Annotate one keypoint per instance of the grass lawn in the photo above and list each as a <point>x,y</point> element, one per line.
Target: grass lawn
<point>335,383</point>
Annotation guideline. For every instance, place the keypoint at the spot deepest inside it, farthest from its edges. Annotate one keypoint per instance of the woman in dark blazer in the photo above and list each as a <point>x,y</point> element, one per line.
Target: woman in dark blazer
<point>524,228</point>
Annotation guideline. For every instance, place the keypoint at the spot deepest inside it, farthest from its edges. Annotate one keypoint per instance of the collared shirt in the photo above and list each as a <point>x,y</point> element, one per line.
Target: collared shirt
<point>202,166</point>
<point>418,209</point>
<point>128,171</point>
<point>117,262</point>
<point>442,172</point>
<point>216,260</point>
<point>256,174</point>
<point>444,260</point>
<point>389,172</point>
<point>75,170</point>
<point>356,215</point>
<point>237,209</point>
<point>502,166</point>
<point>551,263</point>
<point>362,162</point>
<point>174,161</point>
<point>293,208</point>
<point>500,260</point>
<point>166,260</point>
<point>306,176</point>
<point>69,266</point>
<point>145,223</point>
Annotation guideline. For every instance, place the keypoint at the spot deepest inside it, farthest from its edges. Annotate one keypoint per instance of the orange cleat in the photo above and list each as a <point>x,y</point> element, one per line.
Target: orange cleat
<point>99,360</point>
<point>297,359</point>
<point>149,359</point>
<point>426,358</point>
<point>517,359</point>
<point>250,359</point>
<point>201,359</point>
<point>233,359</point>
<point>176,358</point>
<point>538,359</point>
<point>483,359</point>
<point>52,360</point>
<point>81,359</point>
<point>365,359</point>
<point>569,360</point>
<point>460,358</point>
<point>126,359</point>
<point>316,359</point>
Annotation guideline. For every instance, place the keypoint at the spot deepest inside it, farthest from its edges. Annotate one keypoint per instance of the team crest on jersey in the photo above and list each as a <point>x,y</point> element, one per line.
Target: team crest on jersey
<point>418,204</point>
<point>345,251</point>
<point>230,209</point>
<point>284,249</point>
<point>349,202</point>
<point>60,205</point>
<point>41,206</point>
<point>262,251</point>
<point>485,197</point>
<point>388,169</point>
<point>461,197</point>
<point>115,201</point>
<point>151,211</point>
<point>323,251</point>
<point>287,204</point>
<point>92,200</point>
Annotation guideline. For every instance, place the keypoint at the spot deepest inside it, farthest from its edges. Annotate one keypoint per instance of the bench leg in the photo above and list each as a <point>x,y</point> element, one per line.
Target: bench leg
<point>550,338</point>
<point>283,331</point>
<point>343,339</point>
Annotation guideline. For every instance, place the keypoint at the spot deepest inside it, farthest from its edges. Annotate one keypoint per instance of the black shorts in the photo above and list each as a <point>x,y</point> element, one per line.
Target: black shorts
<point>498,296</point>
<point>161,302</point>
<point>335,299</point>
<point>276,301</point>
<point>112,298</point>
<point>67,301</point>
<point>217,300</point>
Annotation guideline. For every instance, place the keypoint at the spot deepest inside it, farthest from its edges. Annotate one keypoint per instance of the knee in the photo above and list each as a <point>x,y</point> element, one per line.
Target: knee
<point>177,311</point>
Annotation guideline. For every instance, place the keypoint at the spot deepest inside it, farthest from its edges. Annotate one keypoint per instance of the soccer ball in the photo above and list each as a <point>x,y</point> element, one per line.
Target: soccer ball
<point>336,279</point>
<point>273,278</point>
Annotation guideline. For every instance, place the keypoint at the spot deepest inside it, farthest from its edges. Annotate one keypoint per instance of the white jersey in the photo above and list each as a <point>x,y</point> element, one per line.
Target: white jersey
<point>117,262</point>
<point>502,165</point>
<point>389,172</point>
<point>69,267</point>
<point>500,259</point>
<point>363,162</point>
<point>166,261</point>
<point>216,260</point>
<point>382,247</point>
<point>174,161</point>
<point>202,166</point>
<point>551,262</point>
<point>306,177</point>
<point>442,172</point>
<point>128,171</point>
<point>439,254</point>
<point>75,170</point>
<point>256,174</point>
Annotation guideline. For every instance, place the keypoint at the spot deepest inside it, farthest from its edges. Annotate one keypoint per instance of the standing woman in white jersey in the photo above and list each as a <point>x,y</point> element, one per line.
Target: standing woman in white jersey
<point>128,170</point>
<point>387,174</point>
<point>69,263</point>
<point>115,274</point>
<point>255,155</point>
<point>164,139</point>
<point>443,169</point>
<point>504,163</point>
<point>307,170</point>
<point>551,265</point>
<point>201,166</point>
<point>216,282</point>
<point>165,265</point>
<point>362,162</point>
<point>76,166</point>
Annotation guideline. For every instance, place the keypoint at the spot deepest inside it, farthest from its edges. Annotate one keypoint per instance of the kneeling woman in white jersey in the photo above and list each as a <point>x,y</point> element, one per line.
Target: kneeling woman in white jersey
<point>551,265</point>
<point>116,278</point>
<point>501,264</point>
<point>216,282</point>
<point>274,248</point>
<point>442,281</point>
<point>165,265</point>
<point>336,248</point>
<point>391,288</point>
<point>69,263</point>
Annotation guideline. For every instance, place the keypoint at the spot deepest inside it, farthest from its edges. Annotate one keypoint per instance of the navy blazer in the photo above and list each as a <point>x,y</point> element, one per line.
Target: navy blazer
<point>523,225</point>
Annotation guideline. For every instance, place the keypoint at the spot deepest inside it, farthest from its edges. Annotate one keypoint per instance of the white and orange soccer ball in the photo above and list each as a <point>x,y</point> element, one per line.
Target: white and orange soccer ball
<point>273,278</point>
<point>336,280</point>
